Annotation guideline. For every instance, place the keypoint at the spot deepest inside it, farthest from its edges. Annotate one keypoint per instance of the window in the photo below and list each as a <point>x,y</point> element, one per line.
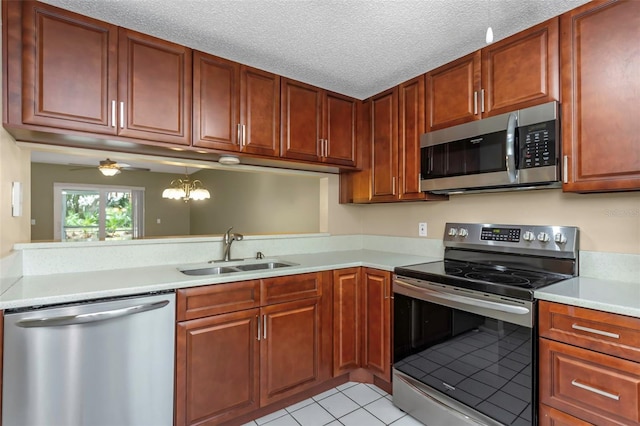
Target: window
<point>97,212</point>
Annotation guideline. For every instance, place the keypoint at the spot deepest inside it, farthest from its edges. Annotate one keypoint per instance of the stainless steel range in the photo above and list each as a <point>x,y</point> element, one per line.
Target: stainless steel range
<point>464,327</point>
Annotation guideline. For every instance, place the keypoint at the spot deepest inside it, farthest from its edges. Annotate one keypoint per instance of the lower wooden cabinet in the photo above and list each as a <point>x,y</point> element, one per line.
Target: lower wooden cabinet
<point>589,371</point>
<point>362,321</point>
<point>549,416</point>
<point>346,320</point>
<point>218,361</point>
<point>232,362</point>
<point>289,349</point>
<point>376,294</point>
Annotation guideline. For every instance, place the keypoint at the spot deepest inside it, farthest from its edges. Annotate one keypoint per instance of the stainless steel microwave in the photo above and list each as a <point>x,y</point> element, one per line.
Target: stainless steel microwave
<point>517,150</point>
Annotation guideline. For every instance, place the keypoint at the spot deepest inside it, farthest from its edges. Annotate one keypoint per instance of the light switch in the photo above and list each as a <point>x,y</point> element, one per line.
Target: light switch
<point>158,221</point>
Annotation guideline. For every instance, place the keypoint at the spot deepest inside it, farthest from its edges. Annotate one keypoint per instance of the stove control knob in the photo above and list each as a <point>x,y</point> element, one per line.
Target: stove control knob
<point>560,238</point>
<point>453,232</point>
<point>528,236</point>
<point>463,232</point>
<point>543,237</point>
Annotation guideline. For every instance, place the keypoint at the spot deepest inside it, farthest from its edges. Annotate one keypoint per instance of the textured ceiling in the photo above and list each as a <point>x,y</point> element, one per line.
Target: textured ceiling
<point>354,47</point>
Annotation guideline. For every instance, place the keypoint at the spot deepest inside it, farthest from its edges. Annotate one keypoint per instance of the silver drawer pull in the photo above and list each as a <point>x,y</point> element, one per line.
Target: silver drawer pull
<point>595,390</point>
<point>594,331</point>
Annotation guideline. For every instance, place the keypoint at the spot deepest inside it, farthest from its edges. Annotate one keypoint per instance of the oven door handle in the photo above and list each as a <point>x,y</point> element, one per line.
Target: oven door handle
<point>518,310</point>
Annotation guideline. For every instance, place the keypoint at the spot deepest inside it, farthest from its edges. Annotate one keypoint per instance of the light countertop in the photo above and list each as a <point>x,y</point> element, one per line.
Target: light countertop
<point>618,297</point>
<point>39,290</point>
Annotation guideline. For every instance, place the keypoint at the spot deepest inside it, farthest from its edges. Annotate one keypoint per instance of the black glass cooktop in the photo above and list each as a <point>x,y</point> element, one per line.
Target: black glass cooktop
<point>494,279</point>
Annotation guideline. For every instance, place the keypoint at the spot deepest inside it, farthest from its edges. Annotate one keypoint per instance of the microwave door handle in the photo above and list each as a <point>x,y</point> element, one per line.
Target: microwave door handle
<point>510,147</point>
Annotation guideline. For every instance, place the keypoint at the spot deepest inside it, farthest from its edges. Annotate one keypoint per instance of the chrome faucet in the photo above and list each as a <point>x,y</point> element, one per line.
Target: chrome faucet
<point>228,239</point>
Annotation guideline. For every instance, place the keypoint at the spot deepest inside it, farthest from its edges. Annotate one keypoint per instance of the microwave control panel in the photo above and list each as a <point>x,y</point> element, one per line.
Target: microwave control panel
<point>537,145</point>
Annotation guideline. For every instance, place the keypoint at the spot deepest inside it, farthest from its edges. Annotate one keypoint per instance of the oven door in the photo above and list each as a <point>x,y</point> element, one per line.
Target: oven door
<point>462,357</point>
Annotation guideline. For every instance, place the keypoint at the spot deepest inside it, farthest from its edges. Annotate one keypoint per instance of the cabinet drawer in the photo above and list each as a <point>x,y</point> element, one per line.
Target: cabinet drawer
<point>293,287</point>
<point>592,386</point>
<point>612,334</point>
<point>217,299</point>
<point>549,416</point>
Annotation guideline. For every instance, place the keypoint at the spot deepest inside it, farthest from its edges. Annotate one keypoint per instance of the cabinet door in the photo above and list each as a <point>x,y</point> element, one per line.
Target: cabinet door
<point>346,320</point>
<point>217,361</point>
<point>290,349</point>
<point>69,70</point>
<point>340,129</point>
<point>600,59</point>
<point>216,104</point>
<point>154,88</point>
<point>521,71</point>
<point>259,112</point>
<point>301,121</point>
<point>411,126</point>
<point>384,150</point>
<point>377,322</point>
<point>453,93</point>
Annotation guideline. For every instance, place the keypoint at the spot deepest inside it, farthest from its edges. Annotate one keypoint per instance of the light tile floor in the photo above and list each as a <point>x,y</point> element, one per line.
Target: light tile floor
<point>350,404</point>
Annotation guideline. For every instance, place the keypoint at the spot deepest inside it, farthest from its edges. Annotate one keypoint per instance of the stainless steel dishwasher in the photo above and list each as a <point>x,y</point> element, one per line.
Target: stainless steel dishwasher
<point>104,363</point>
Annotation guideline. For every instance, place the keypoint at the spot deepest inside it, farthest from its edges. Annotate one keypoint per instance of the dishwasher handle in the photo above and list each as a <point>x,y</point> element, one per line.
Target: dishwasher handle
<point>90,317</point>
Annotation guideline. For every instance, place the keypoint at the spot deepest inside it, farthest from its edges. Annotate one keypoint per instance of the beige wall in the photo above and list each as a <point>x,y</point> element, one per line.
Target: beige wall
<point>257,203</point>
<point>607,222</point>
<point>14,167</point>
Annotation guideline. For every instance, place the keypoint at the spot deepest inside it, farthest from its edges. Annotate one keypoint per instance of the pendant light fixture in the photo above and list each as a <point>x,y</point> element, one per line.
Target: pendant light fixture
<point>186,189</point>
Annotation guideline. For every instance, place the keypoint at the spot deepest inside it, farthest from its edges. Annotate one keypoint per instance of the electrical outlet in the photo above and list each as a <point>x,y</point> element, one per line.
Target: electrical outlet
<point>422,229</point>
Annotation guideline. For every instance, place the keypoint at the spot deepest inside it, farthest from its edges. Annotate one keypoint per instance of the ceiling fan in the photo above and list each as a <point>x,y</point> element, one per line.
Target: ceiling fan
<point>111,168</point>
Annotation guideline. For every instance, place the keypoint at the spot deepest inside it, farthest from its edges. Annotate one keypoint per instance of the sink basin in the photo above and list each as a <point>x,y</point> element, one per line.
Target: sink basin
<point>235,267</point>
<point>258,266</point>
<point>213,270</point>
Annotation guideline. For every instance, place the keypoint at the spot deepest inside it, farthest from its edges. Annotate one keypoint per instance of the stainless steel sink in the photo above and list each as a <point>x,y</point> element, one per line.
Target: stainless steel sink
<point>258,266</point>
<point>213,270</point>
<point>235,267</point>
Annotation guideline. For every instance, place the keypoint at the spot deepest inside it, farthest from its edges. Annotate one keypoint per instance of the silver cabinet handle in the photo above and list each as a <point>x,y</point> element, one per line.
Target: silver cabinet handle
<point>122,115</point>
<point>595,390</point>
<point>482,100</point>
<point>244,135</point>
<point>475,102</point>
<point>259,324</point>
<point>565,172</point>
<point>326,147</point>
<point>595,331</point>
<point>264,327</point>
<point>113,113</point>
<point>90,317</point>
<point>239,134</point>
<point>393,184</point>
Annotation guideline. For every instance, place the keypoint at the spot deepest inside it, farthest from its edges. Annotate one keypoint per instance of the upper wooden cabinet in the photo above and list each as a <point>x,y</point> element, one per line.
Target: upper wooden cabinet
<point>154,88</point>
<point>70,73</point>
<point>86,75</point>
<point>517,72</point>
<point>260,111</point>
<point>384,145</point>
<point>317,125</point>
<point>600,59</point>
<point>411,121</point>
<point>389,129</point>
<point>236,108</point>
